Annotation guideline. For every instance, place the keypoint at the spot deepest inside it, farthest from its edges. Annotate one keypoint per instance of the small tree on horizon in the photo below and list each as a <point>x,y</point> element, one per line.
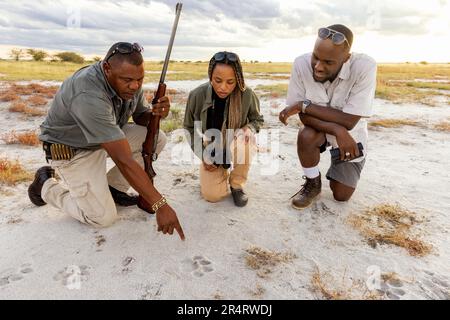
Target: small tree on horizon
<point>16,54</point>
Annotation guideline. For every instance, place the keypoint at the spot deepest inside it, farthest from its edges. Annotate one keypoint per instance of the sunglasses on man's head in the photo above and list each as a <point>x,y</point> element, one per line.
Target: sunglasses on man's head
<point>221,56</point>
<point>125,48</point>
<point>337,37</point>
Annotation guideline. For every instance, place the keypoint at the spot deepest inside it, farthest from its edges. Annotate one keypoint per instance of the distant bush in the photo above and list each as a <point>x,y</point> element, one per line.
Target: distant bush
<point>423,62</point>
<point>96,59</point>
<point>37,55</point>
<point>70,57</point>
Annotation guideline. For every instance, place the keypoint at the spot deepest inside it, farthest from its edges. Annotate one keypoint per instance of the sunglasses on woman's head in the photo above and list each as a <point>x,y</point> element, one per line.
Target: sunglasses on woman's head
<point>221,56</point>
<point>125,48</point>
<point>337,37</point>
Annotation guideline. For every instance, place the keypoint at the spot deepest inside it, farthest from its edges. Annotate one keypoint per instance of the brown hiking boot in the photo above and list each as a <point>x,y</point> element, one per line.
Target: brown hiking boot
<point>308,193</point>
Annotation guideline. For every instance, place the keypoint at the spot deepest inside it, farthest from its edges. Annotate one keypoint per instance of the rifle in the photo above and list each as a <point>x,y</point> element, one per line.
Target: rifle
<point>149,146</point>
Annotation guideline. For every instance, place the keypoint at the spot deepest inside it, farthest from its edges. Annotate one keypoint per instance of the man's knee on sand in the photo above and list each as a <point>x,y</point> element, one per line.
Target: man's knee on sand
<point>102,222</point>
<point>214,194</point>
<point>341,192</point>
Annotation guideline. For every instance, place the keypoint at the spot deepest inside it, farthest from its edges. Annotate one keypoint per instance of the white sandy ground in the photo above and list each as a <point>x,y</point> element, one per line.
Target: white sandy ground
<point>44,252</point>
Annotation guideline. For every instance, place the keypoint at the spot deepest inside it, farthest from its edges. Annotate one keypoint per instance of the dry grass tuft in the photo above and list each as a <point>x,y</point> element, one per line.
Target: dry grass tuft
<point>394,123</point>
<point>264,260</point>
<point>443,126</point>
<point>325,285</point>
<point>29,138</point>
<point>34,89</point>
<point>12,172</point>
<point>258,292</point>
<point>37,101</point>
<point>389,224</point>
<point>21,107</point>
<point>9,96</point>
<point>18,106</point>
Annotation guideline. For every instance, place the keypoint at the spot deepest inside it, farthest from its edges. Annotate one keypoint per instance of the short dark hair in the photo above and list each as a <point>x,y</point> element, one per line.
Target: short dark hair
<point>343,29</point>
<point>135,58</point>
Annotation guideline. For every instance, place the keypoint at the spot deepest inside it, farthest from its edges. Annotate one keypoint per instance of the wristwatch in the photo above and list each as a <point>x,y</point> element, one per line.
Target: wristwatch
<point>306,103</point>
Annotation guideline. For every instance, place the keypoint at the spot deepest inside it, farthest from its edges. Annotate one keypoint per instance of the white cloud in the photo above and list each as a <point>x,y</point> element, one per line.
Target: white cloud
<point>257,27</point>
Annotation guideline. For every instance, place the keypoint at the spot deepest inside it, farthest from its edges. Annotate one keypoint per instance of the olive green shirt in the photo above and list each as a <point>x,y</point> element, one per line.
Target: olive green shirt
<point>200,99</point>
<point>87,112</point>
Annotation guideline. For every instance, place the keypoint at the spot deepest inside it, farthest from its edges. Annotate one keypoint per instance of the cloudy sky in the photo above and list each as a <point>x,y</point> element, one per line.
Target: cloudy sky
<point>264,30</point>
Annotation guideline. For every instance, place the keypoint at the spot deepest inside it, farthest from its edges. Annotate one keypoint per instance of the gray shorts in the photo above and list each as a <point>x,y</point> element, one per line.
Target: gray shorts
<point>347,173</point>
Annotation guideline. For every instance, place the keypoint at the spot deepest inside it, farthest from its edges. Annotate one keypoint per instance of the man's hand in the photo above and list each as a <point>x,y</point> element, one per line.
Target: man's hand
<point>347,145</point>
<point>161,108</point>
<point>167,221</point>
<point>288,112</point>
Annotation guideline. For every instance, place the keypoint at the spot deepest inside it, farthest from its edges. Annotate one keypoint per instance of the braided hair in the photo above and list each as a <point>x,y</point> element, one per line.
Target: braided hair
<point>235,106</point>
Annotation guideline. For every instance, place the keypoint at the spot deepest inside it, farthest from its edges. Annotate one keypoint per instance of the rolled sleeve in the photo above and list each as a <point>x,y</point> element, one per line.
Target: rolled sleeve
<point>360,99</point>
<point>95,118</point>
<point>296,89</point>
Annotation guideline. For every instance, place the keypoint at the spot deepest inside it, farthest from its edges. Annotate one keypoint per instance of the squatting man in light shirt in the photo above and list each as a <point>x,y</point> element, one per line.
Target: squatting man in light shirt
<point>332,90</point>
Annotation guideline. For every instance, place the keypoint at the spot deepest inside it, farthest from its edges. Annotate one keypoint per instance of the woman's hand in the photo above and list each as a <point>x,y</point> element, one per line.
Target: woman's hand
<point>209,167</point>
<point>247,134</point>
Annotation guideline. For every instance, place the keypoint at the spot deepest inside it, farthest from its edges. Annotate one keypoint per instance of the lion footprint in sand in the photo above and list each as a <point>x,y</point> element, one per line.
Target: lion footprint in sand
<point>72,276</point>
<point>435,286</point>
<point>12,275</point>
<point>197,266</point>
<point>391,289</point>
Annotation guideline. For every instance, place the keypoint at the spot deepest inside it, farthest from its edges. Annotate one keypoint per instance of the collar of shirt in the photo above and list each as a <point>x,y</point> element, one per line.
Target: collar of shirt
<point>344,74</point>
<point>208,100</point>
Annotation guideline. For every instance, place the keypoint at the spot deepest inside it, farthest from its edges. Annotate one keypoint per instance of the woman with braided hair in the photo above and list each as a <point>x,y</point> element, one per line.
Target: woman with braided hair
<point>222,117</point>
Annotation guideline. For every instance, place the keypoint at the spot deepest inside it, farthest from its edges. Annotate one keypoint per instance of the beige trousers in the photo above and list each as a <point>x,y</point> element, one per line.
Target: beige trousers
<point>214,185</point>
<point>85,194</point>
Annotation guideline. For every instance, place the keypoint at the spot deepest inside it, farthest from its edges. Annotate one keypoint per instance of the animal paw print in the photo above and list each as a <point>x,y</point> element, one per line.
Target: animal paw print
<point>435,286</point>
<point>198,266</point>
<point>13,275</point>
<point>72,276</point>
<point>391,289</point>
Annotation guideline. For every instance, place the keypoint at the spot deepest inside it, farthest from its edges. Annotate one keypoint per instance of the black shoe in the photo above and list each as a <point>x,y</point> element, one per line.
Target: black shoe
<point>123,199</point>
<point>35,189</point>
<point>239,197</point>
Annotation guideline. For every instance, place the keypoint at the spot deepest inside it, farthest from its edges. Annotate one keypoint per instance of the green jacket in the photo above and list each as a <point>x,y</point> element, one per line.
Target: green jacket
<point>200,99</point>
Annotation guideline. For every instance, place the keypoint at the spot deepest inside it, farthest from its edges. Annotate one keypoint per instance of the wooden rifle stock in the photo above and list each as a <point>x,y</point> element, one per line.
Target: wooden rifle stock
<point>151,140</point>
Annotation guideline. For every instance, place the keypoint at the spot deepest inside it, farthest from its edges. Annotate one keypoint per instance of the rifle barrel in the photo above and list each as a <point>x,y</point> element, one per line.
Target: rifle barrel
<point>172,38</point>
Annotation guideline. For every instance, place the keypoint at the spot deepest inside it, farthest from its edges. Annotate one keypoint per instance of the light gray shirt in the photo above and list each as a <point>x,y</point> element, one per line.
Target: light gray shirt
<point>352,91</point>
<point>87,112</point>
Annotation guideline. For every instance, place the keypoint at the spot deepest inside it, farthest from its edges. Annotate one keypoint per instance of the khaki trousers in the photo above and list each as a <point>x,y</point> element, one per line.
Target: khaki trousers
<point>214,185</point>
<point>85,194</point>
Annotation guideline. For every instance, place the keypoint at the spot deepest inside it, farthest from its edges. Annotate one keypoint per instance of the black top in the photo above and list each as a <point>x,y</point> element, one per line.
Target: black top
<point>215,116</point>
